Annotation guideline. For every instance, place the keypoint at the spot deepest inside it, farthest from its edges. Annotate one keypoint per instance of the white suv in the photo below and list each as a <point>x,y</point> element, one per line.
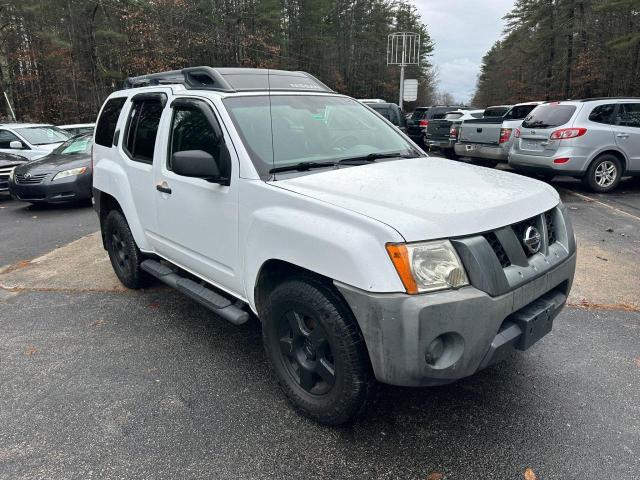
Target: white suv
<point>264,192</point>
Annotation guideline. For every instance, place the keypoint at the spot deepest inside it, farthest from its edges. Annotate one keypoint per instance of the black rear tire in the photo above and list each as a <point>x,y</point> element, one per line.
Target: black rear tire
<point>483,162</point>
<point>123,252</point>
<point>451,154</point>
<point>316,351</point>
<point>604,174</point>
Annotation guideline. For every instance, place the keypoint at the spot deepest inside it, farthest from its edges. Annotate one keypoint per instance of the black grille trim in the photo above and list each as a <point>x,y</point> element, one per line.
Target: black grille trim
<point>550,222</point>
<point>33,179</point>
<point>498,249</point>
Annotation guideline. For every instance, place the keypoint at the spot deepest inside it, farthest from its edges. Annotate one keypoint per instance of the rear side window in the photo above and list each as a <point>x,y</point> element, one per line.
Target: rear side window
<point>602,114</point>
<point>106,125</point>
<point>549,116</point>
<point>519,112</point>
<point>452,116</point>
<point>142,129</point>
<point>629,115</point>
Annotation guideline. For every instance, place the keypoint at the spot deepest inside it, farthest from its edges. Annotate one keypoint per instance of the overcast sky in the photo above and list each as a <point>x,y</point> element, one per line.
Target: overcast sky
<point>463,31</point>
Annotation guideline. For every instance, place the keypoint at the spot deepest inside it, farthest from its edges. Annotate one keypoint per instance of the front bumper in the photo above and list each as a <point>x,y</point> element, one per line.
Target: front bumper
<point>67,189</point>
<point>399,328</point>
<point>476,150</point>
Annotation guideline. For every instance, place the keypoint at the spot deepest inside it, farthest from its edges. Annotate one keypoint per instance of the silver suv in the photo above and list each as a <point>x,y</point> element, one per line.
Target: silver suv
<point>597,140</point>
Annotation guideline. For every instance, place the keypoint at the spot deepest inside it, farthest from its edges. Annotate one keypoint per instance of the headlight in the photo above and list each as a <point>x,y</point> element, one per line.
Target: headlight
<point>427,266</point>
<point>70,173</point>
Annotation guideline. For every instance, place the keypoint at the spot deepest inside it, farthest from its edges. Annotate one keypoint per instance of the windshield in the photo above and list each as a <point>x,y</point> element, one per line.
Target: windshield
<point>43,135</point>
<point>549,116</point>
<point>419,114</point>
<point>495,111</point>
<point>311,128</point>
<point>79,144</point>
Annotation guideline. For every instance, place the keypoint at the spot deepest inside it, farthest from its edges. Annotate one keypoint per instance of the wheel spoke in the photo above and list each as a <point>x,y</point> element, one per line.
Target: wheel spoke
<point>286,346</point>
<point>317,338</point>
<point>326,371</point>
<point>306,379</point>
<point>295,322</point>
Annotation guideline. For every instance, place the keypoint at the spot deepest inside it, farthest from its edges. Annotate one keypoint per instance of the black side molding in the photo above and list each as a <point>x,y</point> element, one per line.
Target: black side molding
<point>222,306</point>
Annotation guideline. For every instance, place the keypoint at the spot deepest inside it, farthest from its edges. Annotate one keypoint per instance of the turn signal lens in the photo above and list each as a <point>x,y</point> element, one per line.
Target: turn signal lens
<point>424,123</point>
<point>517,133</point>
<point>400,258</point>
<point>561,160</point>
<point>505,134</point>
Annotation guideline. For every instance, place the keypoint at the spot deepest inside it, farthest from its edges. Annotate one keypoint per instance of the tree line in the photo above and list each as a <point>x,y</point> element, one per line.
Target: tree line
<point>563,49</point>
<point>59,59</point>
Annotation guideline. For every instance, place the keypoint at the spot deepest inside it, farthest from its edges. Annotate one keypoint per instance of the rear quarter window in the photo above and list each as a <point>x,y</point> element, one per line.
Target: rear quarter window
<point>106,126</point>
<point>549,116</point>
<point>519,112</point>
<point>602,114</point>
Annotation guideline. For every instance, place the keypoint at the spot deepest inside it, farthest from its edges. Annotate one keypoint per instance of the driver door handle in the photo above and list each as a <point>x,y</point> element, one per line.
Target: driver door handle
<point>163,187</point>
<point>622,135</point>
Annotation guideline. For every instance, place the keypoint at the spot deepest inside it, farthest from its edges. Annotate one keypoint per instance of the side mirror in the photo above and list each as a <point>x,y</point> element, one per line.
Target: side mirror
<point>198,164</point>
<point>16,145</point>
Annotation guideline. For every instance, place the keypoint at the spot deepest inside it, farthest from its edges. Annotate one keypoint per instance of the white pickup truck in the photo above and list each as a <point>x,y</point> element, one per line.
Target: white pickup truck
<point>488,140</point>
<point>263,192</point>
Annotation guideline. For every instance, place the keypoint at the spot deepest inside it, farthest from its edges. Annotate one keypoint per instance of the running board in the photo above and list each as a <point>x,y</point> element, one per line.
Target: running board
<point>215,302</point>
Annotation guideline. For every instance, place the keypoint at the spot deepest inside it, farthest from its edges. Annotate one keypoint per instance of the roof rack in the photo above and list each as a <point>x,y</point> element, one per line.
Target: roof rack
<point>605,98</point>
<point>231,79</point>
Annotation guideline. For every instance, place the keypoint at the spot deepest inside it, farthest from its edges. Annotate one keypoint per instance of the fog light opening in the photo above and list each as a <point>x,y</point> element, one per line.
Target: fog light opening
<point>561,160</point>
<point>444,350</point>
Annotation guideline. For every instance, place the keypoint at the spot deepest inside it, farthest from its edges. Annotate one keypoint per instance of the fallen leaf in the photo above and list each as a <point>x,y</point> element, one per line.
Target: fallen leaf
<point>530,475</point>
<point>154,304</point>
<point>435,476</point>
<point>31,350</point>
<point>637,361</point>
<point>98,322</point>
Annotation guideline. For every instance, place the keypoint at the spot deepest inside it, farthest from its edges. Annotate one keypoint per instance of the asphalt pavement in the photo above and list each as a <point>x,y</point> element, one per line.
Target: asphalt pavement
<point>27,230</point>
<point>112,383</point>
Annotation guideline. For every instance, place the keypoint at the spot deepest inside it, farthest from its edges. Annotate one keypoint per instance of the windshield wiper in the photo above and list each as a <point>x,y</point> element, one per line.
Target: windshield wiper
<point>302,166</point>
<point>372,157</point>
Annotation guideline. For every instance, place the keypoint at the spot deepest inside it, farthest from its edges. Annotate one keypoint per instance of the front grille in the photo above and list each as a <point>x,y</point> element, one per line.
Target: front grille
<point>551,226</point>
<point>5,172</point>
<point>498,249</point>
<point>506,254</point>
<point>30,179</point>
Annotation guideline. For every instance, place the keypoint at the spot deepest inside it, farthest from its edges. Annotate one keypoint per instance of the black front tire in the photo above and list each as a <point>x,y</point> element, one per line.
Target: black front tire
<point>604,174</point>
<point>123,252</point>
<point>316,351</point>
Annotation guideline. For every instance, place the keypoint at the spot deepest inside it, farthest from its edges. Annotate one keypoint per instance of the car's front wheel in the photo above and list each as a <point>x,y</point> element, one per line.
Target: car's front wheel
<point>123,252</point>
<point>604,174</point>
<point>316,351</point>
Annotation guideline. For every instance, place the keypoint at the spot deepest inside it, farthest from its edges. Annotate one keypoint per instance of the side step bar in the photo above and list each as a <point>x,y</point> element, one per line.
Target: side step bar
<point>213,301</point>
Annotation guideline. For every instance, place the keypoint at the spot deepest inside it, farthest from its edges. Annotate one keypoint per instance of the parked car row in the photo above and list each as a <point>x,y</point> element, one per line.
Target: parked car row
<point>596,140</point>
<point>42,163</point>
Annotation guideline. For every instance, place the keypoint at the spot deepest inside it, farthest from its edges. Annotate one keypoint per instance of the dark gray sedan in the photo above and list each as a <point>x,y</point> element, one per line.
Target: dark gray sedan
<point>62,176</point>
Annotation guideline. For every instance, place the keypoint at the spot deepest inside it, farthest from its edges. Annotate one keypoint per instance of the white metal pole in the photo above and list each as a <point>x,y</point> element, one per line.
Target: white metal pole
<point>10,108</point>
<point>401,86</point>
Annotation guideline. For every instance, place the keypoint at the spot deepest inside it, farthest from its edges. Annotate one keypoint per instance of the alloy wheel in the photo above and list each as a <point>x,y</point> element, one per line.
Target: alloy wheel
<point>606,174</point>
<point>306,352</point>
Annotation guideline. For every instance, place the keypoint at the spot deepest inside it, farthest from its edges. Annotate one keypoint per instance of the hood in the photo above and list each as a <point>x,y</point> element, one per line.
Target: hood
<point>8,160</point>
<point>428,198</point>
<point>53,162</point>
<point>48,147</point>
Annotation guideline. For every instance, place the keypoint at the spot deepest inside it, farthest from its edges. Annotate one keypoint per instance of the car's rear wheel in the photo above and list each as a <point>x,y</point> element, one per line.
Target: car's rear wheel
<point>604,173</point>
<point>123,252</point>
<point>317,351</point>
<point>484,162</point>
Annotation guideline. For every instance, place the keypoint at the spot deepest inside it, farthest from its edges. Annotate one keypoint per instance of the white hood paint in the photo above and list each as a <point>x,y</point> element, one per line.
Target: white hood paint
<point>429,198</point>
